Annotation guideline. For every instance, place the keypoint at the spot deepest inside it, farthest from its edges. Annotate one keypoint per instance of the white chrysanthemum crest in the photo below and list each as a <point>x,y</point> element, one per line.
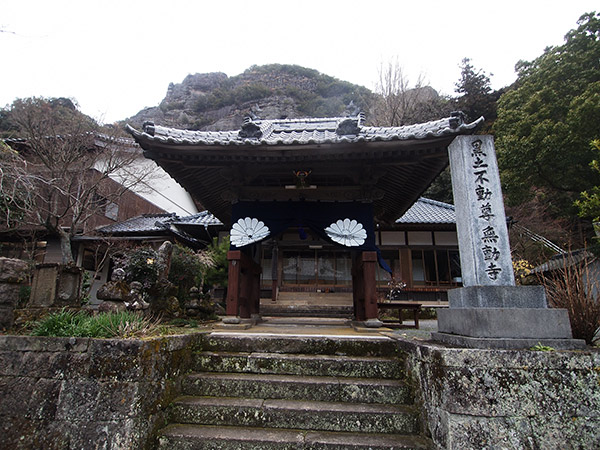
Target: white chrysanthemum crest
<point>347,232</point>
<point>247,231</point>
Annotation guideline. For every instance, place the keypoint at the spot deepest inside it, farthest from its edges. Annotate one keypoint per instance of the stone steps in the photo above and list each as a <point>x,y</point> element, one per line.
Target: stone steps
<point>186,437</point>
<point>300,364</point>
<point>294,387</point>
<point>346,312</point>
<point>298,414</point>
<point>345,345</point>
<point>300,392</point>
<point>309,304</point>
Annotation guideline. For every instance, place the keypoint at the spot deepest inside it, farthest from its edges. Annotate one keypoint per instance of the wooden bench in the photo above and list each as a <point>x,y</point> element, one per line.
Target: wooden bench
<point>410,305</point>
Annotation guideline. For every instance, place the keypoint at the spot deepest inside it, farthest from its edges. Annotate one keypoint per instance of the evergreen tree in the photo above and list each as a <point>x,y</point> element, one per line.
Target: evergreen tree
<point>546,122</point>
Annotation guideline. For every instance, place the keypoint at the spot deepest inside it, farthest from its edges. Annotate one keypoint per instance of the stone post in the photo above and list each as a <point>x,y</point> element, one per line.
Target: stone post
<point>14,273</point>
<point>490,311</point>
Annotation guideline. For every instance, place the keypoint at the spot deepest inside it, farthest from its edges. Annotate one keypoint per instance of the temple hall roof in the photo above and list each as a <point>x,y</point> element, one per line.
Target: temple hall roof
<point>333,130</point>
<point>337,159</point>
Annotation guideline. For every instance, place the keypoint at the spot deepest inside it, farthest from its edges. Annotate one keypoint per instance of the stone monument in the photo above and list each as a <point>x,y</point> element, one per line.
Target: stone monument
<point>490,310</point>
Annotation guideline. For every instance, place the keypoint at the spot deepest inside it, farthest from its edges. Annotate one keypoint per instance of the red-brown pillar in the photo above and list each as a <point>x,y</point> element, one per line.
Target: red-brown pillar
<point>369,271</point>
<point>233,282</point>
<point>357,289</point>
<point>364,288</point>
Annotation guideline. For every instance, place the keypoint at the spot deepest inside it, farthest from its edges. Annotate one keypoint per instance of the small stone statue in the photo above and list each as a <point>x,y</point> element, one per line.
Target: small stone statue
<point>114,293</point>
<point>135,300</point>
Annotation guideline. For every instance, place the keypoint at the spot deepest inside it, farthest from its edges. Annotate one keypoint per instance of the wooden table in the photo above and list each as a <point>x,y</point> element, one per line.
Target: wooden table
<point>414,306</point>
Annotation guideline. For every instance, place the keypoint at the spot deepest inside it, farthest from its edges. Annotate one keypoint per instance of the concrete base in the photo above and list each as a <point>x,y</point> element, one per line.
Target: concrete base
<point>498,297</point>
<point>506,343</point>
<point>511,323</point>
<point>506,328</point>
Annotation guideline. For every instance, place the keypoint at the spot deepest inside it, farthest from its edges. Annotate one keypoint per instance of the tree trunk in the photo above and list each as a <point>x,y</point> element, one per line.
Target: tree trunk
<point>65,247</point>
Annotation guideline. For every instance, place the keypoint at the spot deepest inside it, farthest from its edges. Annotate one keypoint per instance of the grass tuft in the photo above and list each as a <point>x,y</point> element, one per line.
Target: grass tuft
<point>125,324</point>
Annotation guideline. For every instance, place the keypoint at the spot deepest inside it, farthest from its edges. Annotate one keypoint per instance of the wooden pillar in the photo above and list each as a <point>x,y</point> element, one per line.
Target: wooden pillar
<point>233,282</point>
<point>243,286</point>
<point>369,271</point>
<point>364,289</point>
<point>357,290</point>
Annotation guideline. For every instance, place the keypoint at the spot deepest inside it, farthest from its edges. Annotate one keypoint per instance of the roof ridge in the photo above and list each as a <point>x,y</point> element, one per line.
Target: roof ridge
<point>437,203</point>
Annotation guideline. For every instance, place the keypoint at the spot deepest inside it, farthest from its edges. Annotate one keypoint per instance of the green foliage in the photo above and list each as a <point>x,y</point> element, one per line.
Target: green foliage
<point>141,265</point>
<point>477,98</point>
<point>86,285</point>
<point>441,188</point>
<point>545,123</point>
<point>24,294</point>
<point>231,95</point>
<point>186,270</point>
<point>217,275</point>
<point>105,325</point>
<point>542,348</point>
<point>589,202</point>
<point>181,322</point>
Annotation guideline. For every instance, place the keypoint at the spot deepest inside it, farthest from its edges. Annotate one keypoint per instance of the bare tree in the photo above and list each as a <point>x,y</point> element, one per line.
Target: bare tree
<point>72,171</point>
<point>398,103</point>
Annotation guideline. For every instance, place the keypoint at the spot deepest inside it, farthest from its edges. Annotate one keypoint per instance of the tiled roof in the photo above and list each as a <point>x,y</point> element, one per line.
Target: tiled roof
<point>429,211</point>
<point>146,223</point>
<point>204,218</point>
<point>150,223</point>
<point>567,259</point>
<point>304,131</point>
<point>423,211</point>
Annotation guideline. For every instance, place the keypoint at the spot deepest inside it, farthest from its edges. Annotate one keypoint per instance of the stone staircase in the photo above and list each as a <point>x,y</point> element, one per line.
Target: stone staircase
<point>295,392</point>
<point>309,304</point>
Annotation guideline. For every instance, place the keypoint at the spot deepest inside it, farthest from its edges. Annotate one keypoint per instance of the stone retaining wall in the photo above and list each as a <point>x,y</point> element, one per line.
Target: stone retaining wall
<point>475,399</point>
<point>79,393</point>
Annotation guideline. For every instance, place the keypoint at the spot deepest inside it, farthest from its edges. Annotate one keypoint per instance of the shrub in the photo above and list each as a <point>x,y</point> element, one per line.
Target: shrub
<point>141,265</point>
<point>186,270</point>
<point>216,275</point>
<point>575,287</point>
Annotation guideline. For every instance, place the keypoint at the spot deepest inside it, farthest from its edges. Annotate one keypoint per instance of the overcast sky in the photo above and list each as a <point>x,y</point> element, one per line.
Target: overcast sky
<point>117,57</point>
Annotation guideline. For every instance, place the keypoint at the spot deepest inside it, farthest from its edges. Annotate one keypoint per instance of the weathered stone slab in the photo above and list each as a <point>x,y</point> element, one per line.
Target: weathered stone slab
<point>480,218</point>
<point>55,285</point>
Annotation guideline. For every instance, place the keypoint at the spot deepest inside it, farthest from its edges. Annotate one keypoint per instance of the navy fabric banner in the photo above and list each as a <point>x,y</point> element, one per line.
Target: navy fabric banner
<point>348,224</point>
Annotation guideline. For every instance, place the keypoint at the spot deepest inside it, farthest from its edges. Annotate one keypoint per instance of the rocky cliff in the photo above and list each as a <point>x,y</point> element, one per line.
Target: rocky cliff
<point>214,101</point>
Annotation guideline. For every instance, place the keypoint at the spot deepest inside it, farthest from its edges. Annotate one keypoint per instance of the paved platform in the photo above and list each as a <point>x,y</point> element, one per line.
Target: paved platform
<point>319,326</point>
